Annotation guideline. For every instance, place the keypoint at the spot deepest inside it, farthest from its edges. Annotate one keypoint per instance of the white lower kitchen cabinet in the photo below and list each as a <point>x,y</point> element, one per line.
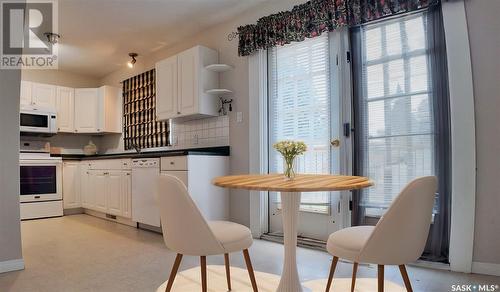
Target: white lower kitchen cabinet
<point>71,185</point>
<point>107,190</point>
<point>113,193</point>
<point>126,194</point>
<point>98,185</point>
<point>106,185</point>
<point>197,173</point>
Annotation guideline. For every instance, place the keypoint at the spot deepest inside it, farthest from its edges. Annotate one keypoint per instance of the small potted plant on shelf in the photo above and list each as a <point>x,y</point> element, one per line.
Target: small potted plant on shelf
<point>290,150</point>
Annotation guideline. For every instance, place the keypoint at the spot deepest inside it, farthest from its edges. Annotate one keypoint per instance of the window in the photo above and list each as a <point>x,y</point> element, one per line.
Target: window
<point>299,109</point>
<point>395,109</point>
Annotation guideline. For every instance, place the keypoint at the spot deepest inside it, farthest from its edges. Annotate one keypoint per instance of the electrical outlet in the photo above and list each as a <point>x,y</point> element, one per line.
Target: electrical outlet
<point>195,139</point>
<point>239,117</point>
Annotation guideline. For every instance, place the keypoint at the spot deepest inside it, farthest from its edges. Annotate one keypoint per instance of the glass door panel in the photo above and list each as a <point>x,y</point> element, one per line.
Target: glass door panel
<point>303,105</point>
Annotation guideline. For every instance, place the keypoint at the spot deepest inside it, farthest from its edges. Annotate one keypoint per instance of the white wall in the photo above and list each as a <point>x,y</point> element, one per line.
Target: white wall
<point>61,78</point>
<point>10,232</point>
<point>483,25</point>
<point>236,80</point>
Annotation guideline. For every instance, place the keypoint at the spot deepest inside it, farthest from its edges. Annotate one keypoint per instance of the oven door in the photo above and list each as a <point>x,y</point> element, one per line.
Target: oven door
<point>40,181</point>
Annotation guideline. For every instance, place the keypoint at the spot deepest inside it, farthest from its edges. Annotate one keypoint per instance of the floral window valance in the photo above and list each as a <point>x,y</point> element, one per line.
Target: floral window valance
<point>315,17</point>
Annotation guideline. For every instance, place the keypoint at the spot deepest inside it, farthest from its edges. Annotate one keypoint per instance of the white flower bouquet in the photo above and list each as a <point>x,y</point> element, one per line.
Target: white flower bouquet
<point>290,149</point>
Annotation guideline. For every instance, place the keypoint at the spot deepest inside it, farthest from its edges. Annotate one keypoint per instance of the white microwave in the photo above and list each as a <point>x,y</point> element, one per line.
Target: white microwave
<point>38,121</point>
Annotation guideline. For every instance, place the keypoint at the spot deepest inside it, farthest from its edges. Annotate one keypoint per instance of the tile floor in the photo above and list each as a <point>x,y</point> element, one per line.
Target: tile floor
<point>84,253</point>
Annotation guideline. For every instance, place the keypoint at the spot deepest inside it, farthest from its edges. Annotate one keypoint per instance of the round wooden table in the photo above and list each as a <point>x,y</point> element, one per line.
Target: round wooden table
<point>290,198</point>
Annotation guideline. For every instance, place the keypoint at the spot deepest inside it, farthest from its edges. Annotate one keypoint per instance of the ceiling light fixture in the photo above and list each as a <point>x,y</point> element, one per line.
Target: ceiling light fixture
<point>52,38</point>
<point>132,62</point>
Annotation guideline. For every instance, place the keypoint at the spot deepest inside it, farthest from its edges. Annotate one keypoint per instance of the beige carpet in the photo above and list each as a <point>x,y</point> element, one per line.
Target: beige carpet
<point>189,280</point>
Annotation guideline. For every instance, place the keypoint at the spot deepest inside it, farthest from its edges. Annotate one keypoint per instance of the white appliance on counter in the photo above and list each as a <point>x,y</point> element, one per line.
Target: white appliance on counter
<point>40,182</point>
<point>144,206</point>
<point>38,121</point>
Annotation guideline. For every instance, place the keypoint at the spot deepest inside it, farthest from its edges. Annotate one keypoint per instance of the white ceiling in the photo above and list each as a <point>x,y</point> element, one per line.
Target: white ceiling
<point>97,35</point>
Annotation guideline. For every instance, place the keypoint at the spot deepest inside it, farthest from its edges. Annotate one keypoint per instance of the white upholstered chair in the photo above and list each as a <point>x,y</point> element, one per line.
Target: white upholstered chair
<point>186,232</point>
<point>398,238</point>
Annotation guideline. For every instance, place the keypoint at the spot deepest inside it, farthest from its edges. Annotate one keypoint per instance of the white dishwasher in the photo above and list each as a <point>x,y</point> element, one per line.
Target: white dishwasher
<point>144,204</point>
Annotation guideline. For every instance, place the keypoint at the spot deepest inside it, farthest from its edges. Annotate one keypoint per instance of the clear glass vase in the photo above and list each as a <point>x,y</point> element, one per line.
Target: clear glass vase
<point>289,168</point>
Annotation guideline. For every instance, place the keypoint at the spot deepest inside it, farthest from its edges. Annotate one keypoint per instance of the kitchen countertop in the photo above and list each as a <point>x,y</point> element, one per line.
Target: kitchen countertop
<point>215,151</point>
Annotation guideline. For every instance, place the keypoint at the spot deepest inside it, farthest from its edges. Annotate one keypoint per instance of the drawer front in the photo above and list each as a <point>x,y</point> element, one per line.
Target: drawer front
<point>126,164</point>
<point>109,164</point>
<point>174,163</point>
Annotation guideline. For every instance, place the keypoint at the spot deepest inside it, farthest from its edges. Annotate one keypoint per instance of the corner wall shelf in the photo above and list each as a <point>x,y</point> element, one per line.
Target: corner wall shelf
<point>219,67</point>
<point>219,91</point>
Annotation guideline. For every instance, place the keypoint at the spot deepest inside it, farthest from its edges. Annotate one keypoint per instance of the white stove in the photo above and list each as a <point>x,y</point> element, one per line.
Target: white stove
<point>40,182</point>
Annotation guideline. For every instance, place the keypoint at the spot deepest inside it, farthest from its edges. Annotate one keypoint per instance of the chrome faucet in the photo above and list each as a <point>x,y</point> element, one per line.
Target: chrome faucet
<point>137,148</point>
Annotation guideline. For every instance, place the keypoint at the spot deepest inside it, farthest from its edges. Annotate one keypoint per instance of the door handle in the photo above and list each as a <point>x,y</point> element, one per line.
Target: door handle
<point>335,143</point>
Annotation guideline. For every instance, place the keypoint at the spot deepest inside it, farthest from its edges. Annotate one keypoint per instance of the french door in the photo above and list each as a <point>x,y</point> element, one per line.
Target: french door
<point>308,101</point>
<point>400,107</point>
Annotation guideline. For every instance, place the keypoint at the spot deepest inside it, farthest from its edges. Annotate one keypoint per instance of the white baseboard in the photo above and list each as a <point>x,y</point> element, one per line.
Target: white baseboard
<point>430,265</point>
<point>486,268</point>
<point>12,265</point>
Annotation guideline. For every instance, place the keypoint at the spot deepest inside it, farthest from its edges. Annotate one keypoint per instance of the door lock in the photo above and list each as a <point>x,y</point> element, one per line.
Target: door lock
<point>335,143</point>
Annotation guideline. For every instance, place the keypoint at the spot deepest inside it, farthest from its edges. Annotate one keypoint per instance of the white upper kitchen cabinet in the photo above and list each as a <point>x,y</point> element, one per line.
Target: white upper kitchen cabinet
<point>188,89</point>
<point>65,105</point>
<point>109,110</point>
<point>86,110</point>
<point>71,185</point>
<point>37,95</point>
<point>25,96</point>
<point>181,84</point>
<point>166,71</point>
<point>98,110</point>
<point>43,95</point>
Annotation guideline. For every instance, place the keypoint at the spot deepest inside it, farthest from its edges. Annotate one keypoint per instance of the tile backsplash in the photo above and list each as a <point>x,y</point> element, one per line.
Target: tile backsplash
<point>203,132</point>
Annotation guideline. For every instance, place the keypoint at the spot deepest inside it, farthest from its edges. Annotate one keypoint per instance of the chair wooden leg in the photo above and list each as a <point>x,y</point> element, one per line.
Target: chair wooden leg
<point>250,270</point>
<point>203,262</point>
<point>354,271</point>
<point>406,279</point>
<point>228,272</point>
<point>332,271</point>
<point>175,268</point>
<point>380,278</point>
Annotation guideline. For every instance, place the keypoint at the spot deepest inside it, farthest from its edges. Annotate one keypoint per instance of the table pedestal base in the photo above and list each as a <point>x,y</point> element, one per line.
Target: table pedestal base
<point>290,281</point>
